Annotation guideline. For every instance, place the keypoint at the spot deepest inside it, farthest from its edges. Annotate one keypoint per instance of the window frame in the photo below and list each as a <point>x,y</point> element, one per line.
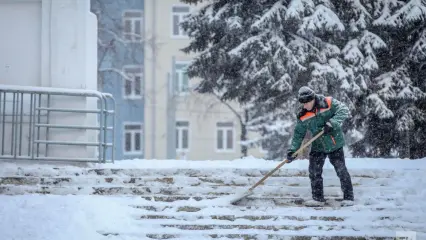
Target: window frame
<point>181,16</point>
<point>133,75</point>
<point>179,129</point>
<point>132,143</point>
<point>179,82</point>
<point>132,34</point>
<point>225,136</point>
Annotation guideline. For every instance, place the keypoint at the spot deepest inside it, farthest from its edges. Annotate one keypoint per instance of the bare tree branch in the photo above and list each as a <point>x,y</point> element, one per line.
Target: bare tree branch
<point>119,72</point>
<point>237,114</point>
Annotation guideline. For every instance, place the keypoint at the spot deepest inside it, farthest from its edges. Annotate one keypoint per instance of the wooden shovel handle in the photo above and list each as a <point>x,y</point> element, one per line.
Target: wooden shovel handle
<point>286,161</point>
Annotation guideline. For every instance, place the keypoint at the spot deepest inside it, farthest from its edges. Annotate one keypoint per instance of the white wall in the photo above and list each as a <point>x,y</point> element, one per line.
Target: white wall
<point>51,43</point>
<point>20,55</point>
<point>91,76</point>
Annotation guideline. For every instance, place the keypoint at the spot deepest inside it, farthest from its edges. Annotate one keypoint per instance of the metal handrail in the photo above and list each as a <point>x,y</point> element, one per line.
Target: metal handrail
<point>106,110</point>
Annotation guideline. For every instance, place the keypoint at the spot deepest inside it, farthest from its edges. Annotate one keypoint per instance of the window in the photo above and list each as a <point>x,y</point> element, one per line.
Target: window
<point>225,136</point>
<point>178,14</point>
<point>132,25</point>
<point>132,82</point>
<point>182,135</point>
<point>133,138</point>
<point>181,79</point>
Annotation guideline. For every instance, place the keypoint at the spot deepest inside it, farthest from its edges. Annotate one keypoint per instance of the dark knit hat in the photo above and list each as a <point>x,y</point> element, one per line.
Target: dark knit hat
<point>305,94</point>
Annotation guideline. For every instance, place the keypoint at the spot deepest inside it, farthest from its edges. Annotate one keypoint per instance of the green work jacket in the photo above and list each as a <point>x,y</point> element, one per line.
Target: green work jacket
<point>325,109</point>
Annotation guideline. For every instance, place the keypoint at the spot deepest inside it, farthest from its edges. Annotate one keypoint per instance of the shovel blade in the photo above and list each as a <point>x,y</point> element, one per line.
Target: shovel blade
<point>239,196</point>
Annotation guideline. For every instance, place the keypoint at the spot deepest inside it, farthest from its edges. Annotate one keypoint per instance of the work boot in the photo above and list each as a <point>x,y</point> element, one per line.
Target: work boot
<point>315,202</point>
<point>348,198</point>
<point>347,201</point>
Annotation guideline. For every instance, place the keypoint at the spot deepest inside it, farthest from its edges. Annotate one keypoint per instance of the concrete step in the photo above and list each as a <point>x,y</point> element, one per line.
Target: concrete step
<point>262,219</point>
<point>199,203</point>
<point>183,181</point>
<point>224,173</point>
<point>248,236</point>
<point>289,225</point>
<point>266,190</point>
<point>185,208</point>
<point>232,218</point>
<point>256,234</point>
<point>255,197</point>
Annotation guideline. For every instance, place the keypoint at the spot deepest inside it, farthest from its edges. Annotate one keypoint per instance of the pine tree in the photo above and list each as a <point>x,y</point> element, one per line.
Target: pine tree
<point>396,111</point>
<point>367,53</point>
<point>262,52</point>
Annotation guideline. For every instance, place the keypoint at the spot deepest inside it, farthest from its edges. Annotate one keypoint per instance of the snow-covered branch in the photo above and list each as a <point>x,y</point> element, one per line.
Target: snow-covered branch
<point>322,20</point>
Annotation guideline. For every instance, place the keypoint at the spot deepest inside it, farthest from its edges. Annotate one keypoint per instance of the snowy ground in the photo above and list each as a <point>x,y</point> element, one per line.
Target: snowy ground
<point>189,200</point>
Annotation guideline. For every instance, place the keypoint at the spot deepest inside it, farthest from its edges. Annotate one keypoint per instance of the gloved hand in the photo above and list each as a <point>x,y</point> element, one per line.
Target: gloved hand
<point>328,128</point>
<point>290,157</point>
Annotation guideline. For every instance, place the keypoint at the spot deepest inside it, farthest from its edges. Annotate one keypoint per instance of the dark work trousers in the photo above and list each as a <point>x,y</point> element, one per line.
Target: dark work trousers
<point>316,164</point>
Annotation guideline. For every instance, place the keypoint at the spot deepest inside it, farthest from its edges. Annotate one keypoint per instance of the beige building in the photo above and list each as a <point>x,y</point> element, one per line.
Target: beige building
<point>201,126</point>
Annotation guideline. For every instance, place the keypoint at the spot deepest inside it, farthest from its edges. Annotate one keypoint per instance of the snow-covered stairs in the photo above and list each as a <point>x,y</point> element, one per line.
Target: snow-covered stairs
<point>180,203</point>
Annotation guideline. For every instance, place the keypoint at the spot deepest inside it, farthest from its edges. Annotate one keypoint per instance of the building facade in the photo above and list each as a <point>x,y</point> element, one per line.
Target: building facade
<point>179,123</point>
<point>141,64</point>
<point>121,41</point>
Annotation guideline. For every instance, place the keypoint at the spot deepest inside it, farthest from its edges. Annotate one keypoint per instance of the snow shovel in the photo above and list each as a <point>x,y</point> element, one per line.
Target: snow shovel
<point>249,192</point>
